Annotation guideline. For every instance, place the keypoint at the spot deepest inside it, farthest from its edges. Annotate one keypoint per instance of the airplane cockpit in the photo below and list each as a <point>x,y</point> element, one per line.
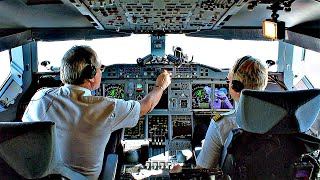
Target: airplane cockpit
<point>196,42</point>
<point>170,133</point>
<point>163,135</point>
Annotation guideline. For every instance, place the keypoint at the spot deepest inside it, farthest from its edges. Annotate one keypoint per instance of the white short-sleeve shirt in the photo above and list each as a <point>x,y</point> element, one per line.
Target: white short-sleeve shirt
<point>216,136</point>
<point>84,123</point>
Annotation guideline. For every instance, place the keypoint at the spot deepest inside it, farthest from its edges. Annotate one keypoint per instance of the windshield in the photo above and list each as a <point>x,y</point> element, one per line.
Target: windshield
<point>222,53</point>
<point>311,67</point>
<point>5,72</point>
<point>217,53</point>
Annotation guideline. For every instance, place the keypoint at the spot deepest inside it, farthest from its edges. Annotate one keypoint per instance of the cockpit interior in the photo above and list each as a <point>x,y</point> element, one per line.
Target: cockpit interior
<point>173,132</point>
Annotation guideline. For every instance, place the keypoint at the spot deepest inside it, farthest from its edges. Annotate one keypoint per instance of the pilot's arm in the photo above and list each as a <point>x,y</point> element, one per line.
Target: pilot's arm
<point>211,149</point>
<point>216,135</point>
<point>152,98</point>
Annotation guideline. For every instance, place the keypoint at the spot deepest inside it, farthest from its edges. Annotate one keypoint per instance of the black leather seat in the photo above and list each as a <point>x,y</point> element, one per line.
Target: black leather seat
<point>113,157</point>
<point>272,140</point>
<point>28,150</point>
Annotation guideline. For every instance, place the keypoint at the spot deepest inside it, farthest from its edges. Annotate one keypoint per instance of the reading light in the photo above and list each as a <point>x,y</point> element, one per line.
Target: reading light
<point>273,29</point>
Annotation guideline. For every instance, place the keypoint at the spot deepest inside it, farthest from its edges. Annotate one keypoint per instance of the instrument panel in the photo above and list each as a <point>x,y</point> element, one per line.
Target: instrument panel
<point>163,135</point>
<point>196,89</point>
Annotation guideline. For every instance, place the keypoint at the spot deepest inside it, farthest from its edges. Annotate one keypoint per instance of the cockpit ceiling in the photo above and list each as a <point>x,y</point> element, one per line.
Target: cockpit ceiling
<point>179,16</point>
<point>149,16</point>
<point>153,15</point>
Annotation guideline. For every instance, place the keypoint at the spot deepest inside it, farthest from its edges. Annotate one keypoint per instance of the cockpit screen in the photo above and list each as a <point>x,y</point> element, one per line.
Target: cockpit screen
<point>181,127</point>
<point>136,132</point>
<point>139,87</point>
<point>222,98</point>
<point>163,103</point>
<point>158,127</point>
<point>202,96</point>
<point>114,90</point>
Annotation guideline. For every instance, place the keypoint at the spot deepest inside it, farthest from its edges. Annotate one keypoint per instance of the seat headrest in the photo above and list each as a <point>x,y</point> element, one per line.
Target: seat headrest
<point>278,112</point>
<point>28,147</point>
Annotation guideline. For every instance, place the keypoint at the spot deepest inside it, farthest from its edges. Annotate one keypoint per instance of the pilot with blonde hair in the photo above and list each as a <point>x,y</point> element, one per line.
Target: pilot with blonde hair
<point>247,73</point>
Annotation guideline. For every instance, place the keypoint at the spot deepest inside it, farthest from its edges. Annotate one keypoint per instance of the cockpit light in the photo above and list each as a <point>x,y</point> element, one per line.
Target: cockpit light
<point>273,29</point>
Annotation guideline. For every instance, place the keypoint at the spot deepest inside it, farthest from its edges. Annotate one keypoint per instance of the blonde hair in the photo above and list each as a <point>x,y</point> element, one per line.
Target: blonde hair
<point>74,61</point>
<point>251,72</point>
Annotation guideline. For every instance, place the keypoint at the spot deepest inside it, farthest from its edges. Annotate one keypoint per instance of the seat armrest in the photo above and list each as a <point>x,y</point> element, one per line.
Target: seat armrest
<point>197,150</point>
<point>110,170</point>
<point>69,173</point>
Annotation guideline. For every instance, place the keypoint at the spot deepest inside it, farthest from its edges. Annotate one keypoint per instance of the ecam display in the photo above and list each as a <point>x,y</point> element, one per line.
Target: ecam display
<point>201,96</point>
<point>221,100</point>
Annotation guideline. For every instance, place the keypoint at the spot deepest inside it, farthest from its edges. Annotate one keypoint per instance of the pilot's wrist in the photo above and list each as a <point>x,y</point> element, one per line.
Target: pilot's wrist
<point>159,87</point>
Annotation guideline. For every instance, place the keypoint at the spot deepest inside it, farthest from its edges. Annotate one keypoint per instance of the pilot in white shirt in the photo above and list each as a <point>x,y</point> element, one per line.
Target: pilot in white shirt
<point>84,122</point>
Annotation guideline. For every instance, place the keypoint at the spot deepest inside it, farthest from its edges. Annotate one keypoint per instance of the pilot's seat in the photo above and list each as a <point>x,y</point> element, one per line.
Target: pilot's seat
<point>273,142</point>
<point>28,151</point>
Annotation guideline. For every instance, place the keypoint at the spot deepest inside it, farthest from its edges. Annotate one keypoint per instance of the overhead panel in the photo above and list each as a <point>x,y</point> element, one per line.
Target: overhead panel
<point>147,16</point>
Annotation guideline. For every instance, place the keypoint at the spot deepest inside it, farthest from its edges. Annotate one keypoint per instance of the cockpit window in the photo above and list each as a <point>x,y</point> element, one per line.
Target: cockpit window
<point>222,53</point>
<point>209,51</point>
<point>312,64</point>
<point>120,50</point>
<point>5,67</point>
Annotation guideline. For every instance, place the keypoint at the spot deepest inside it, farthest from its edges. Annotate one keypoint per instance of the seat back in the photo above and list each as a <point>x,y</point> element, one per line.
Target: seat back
<point>28,150</point>
<point>110,169</point>
<point>271,140</point>
<point>113,157</point>
<point>277,112</point>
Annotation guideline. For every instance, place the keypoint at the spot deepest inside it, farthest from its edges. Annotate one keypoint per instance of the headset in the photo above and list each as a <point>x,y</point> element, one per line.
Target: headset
<point>237,85</point>
<point>90,70</point>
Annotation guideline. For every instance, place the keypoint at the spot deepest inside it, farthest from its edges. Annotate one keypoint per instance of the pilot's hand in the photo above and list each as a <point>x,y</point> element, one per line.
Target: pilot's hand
<point>164,79</point>
<point>176,169</point>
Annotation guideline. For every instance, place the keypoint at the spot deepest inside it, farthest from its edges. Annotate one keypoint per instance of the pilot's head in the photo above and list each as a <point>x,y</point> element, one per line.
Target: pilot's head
<point>247,73</point>
<point>80,66</point>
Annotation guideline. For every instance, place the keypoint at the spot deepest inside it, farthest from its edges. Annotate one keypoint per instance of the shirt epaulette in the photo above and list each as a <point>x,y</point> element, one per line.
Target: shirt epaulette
<point>217,117</point>
<point>231,112</point>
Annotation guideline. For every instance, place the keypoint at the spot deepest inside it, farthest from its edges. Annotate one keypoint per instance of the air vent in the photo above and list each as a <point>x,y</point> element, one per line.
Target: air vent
<point>38,2</point>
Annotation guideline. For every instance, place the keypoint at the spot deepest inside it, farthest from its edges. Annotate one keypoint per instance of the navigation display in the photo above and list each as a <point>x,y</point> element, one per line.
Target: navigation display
<point>181,127</point>
<point>202,96</point>
<point>158,127</point>
<point>136,132</point>
<point>114,90</point>
<point>222,97</point>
